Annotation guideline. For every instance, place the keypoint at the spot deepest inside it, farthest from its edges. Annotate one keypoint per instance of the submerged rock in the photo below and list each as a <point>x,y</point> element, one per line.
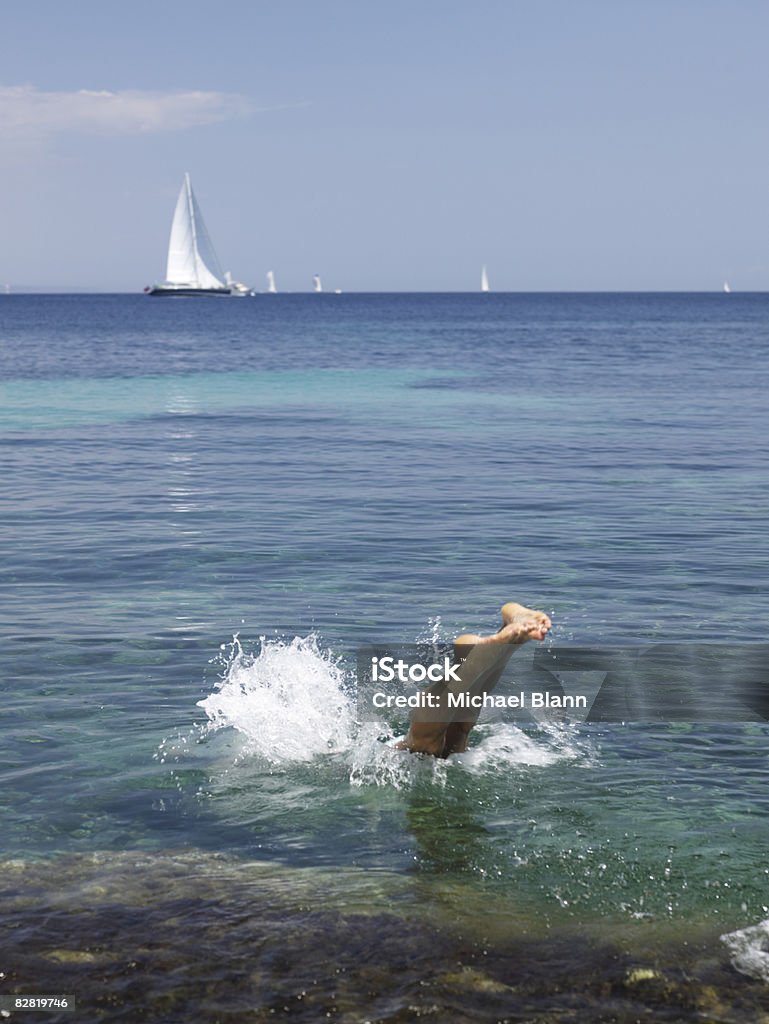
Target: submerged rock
<point>181,936</point>
<point>749,949</point>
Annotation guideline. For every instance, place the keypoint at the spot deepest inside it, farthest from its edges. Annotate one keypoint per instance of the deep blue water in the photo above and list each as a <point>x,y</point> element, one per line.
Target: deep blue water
<point>354,467</point>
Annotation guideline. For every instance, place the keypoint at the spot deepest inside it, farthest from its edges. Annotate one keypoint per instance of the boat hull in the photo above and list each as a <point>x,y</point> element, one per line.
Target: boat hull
<point>186,292</point>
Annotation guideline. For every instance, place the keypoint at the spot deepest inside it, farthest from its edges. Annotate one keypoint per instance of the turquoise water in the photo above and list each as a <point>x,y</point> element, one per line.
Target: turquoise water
<point>311,473</point>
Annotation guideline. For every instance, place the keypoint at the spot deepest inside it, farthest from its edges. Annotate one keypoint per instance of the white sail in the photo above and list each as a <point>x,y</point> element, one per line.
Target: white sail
<point>727,289</point>
<point>192,261</point>
<point>316,285</point>
<point>484,280</point>
<point>271,283</point>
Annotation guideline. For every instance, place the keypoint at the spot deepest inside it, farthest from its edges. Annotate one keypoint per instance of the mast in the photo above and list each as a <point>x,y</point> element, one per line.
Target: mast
<point>193,224</point>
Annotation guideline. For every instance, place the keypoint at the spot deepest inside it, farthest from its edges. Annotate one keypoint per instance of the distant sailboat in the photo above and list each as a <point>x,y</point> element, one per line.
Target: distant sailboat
<point>727,289</point>
<point>316,285</point>
<point>192,268</point>
<point>271,283</point>
<point>484,280</point>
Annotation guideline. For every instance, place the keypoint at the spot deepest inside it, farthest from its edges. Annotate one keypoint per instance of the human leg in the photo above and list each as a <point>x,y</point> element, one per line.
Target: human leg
<point>482,661</point>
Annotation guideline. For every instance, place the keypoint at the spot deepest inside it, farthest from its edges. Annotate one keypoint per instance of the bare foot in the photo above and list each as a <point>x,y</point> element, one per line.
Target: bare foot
<point>520,624</point>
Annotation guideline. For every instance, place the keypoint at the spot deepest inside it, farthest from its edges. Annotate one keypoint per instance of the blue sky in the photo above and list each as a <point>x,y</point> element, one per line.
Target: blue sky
<point>567,144</point>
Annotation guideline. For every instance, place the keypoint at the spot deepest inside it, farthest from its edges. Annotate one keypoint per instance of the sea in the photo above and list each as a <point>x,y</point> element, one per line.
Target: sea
<point>209,506</point>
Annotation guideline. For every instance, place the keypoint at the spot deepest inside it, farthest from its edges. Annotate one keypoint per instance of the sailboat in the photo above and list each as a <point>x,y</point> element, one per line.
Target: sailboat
<point>316,285</point>
<point>192,268</point>
<point>484,280</point>
<point>727,288</point>
<point>271,283</point>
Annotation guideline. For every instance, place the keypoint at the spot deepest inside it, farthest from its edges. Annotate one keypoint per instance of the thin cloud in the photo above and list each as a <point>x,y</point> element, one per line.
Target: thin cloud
<point>26,110</point>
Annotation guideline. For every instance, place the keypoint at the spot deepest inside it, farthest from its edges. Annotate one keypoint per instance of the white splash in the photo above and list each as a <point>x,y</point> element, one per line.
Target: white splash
<point>749,949</point>
<point>504,745</point>
<point>289,701</point>
<point>294,702</point>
